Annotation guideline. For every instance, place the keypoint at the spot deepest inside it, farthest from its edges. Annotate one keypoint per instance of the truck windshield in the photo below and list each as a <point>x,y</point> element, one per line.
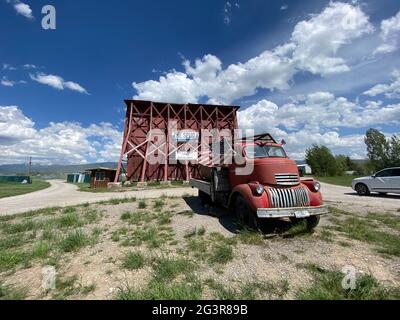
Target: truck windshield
<point>265,152</point>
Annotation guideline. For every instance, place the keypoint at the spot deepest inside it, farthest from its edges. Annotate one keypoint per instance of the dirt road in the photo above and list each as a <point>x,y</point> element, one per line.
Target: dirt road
<point>349,200</point>
<point>61,194</point>
<point>64,194</point>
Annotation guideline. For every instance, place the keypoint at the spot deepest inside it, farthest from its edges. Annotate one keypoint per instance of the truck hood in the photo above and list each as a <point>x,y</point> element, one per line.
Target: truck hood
<point>276,171</point>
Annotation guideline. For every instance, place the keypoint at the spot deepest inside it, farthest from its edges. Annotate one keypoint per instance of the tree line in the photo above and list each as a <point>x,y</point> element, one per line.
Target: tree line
<point>382,153</point>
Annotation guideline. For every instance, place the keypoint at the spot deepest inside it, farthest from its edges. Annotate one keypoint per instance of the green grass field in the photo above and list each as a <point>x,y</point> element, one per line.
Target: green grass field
<point>10,189</point>
<point>340,181</point>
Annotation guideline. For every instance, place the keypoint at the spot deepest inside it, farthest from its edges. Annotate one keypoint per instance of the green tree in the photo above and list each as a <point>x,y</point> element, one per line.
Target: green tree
<point>322,161</point>
<point>394,151</point>
<point>382,152</point>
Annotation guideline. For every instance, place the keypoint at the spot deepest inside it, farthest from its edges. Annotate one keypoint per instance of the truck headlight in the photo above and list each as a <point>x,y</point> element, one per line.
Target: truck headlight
<point>317,186</point>
<point>260,190</point>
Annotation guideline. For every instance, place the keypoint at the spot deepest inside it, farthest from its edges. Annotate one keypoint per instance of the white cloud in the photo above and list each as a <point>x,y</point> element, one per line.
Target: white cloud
<point>57,82</point>
<point>313,47</point>
<point>66,142</point>
<point>390,33</point>
<point>317,118</point>
<point>22,8</point>
<point>284,7</point>
<point>7,83</point>
<point>9,67</point>
<point>319,38</point>
<point>29,66</point>
<point>10,83</point>
<point>391,90</point>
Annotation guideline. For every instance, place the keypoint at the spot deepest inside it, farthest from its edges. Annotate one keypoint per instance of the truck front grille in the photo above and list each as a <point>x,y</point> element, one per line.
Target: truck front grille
<point>287,179</point>
<point>289,198</point>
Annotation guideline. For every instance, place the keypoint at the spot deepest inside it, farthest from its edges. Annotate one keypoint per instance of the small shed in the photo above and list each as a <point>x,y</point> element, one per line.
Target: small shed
<point>101,177</point>
<point>78,177</point>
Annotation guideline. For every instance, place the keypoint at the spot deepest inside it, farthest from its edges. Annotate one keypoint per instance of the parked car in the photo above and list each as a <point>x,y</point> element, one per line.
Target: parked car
<point>382,182</point>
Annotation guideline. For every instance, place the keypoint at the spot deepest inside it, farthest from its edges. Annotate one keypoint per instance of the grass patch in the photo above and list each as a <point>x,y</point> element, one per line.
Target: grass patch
<point>363,230</point>
<point>327,285</point>
<point>74,241</point>
<point>167,269</point>
<point>69,220</point>
<point>251,290</point>
<point>9,259</point>
<point>12,241</point>
<point>142,204</point>
<point>12,293</point>
<point>299,228</point>
<point>250,237</point>
<point>41,250</point>
<point>221,254</point>
<point>10,189</point>
<point>162,291</point>
<point>153,236</point>
<point>159,204</point>
<point>133,261</point>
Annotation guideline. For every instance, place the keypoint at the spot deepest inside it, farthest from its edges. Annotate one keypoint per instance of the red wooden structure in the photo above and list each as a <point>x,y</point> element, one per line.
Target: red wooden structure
<point>143,118</point>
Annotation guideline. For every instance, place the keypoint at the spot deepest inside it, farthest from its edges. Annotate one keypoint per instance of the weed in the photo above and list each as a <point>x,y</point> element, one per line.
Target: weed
<point>133,261</point>
<point>162,291</point>
<point>12,293</point>
<point>167,269</point>
<point>248,236</point>
<point>328,286</point>
<point>221,254</point>
<point>41,250</point>
<point>74,241</point>
<point>159,204</point>
<point>10,259</point>
<point>142,204</point>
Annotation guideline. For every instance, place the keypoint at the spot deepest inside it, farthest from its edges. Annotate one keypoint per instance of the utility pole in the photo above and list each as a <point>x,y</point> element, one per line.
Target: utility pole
<point>29,169</point>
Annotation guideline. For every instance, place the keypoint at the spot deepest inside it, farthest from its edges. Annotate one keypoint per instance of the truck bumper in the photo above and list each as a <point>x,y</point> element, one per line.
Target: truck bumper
<point>301,212</point>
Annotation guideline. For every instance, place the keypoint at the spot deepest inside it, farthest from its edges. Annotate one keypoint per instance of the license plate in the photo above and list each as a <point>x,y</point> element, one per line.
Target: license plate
<point>302,214</point>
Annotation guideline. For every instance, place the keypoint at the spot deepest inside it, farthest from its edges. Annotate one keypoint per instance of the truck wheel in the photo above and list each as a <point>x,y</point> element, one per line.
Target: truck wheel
<point>205,199</point>
<point>312,222</point>
<point>362,189</point>
<point>244,214</point>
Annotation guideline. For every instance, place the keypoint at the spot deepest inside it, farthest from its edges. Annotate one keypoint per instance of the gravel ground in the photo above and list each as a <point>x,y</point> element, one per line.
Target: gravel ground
<point>276,259</point>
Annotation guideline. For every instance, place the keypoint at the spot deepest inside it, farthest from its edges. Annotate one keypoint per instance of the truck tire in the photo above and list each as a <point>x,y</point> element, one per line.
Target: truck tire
<point>362,189</point>
<point>205,199</point>
<point>245,215</point>
<point>312,222</point>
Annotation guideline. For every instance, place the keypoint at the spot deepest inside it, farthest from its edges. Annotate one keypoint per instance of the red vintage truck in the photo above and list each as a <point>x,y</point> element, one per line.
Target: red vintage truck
<point>272,190</point>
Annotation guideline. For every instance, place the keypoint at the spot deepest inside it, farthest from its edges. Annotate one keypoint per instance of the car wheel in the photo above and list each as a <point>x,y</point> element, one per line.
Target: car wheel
<point>362,189</point>
<point>244,214</point>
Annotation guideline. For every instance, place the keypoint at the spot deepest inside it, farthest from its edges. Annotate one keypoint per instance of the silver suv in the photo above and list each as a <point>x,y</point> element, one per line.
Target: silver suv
<point>382,182</point>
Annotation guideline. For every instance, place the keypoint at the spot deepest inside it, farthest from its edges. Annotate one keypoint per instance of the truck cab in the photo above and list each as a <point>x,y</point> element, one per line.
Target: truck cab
<point>272,189</point>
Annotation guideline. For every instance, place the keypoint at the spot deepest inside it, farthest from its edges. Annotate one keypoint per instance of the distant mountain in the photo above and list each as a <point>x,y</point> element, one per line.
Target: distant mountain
<point>11,169</point>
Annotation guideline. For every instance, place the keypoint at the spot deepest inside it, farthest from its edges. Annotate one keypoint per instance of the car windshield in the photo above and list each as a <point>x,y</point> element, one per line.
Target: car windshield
<point>265,152</point>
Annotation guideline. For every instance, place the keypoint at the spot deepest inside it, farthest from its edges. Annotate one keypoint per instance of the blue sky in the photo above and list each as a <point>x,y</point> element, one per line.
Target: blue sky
<point>293,66</point>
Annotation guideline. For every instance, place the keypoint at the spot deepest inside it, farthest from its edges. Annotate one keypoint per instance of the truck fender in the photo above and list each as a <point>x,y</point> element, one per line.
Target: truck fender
<point>253,200</point>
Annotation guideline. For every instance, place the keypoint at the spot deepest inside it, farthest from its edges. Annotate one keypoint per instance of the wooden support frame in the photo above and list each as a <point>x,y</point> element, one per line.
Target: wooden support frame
<point>144,116</point>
